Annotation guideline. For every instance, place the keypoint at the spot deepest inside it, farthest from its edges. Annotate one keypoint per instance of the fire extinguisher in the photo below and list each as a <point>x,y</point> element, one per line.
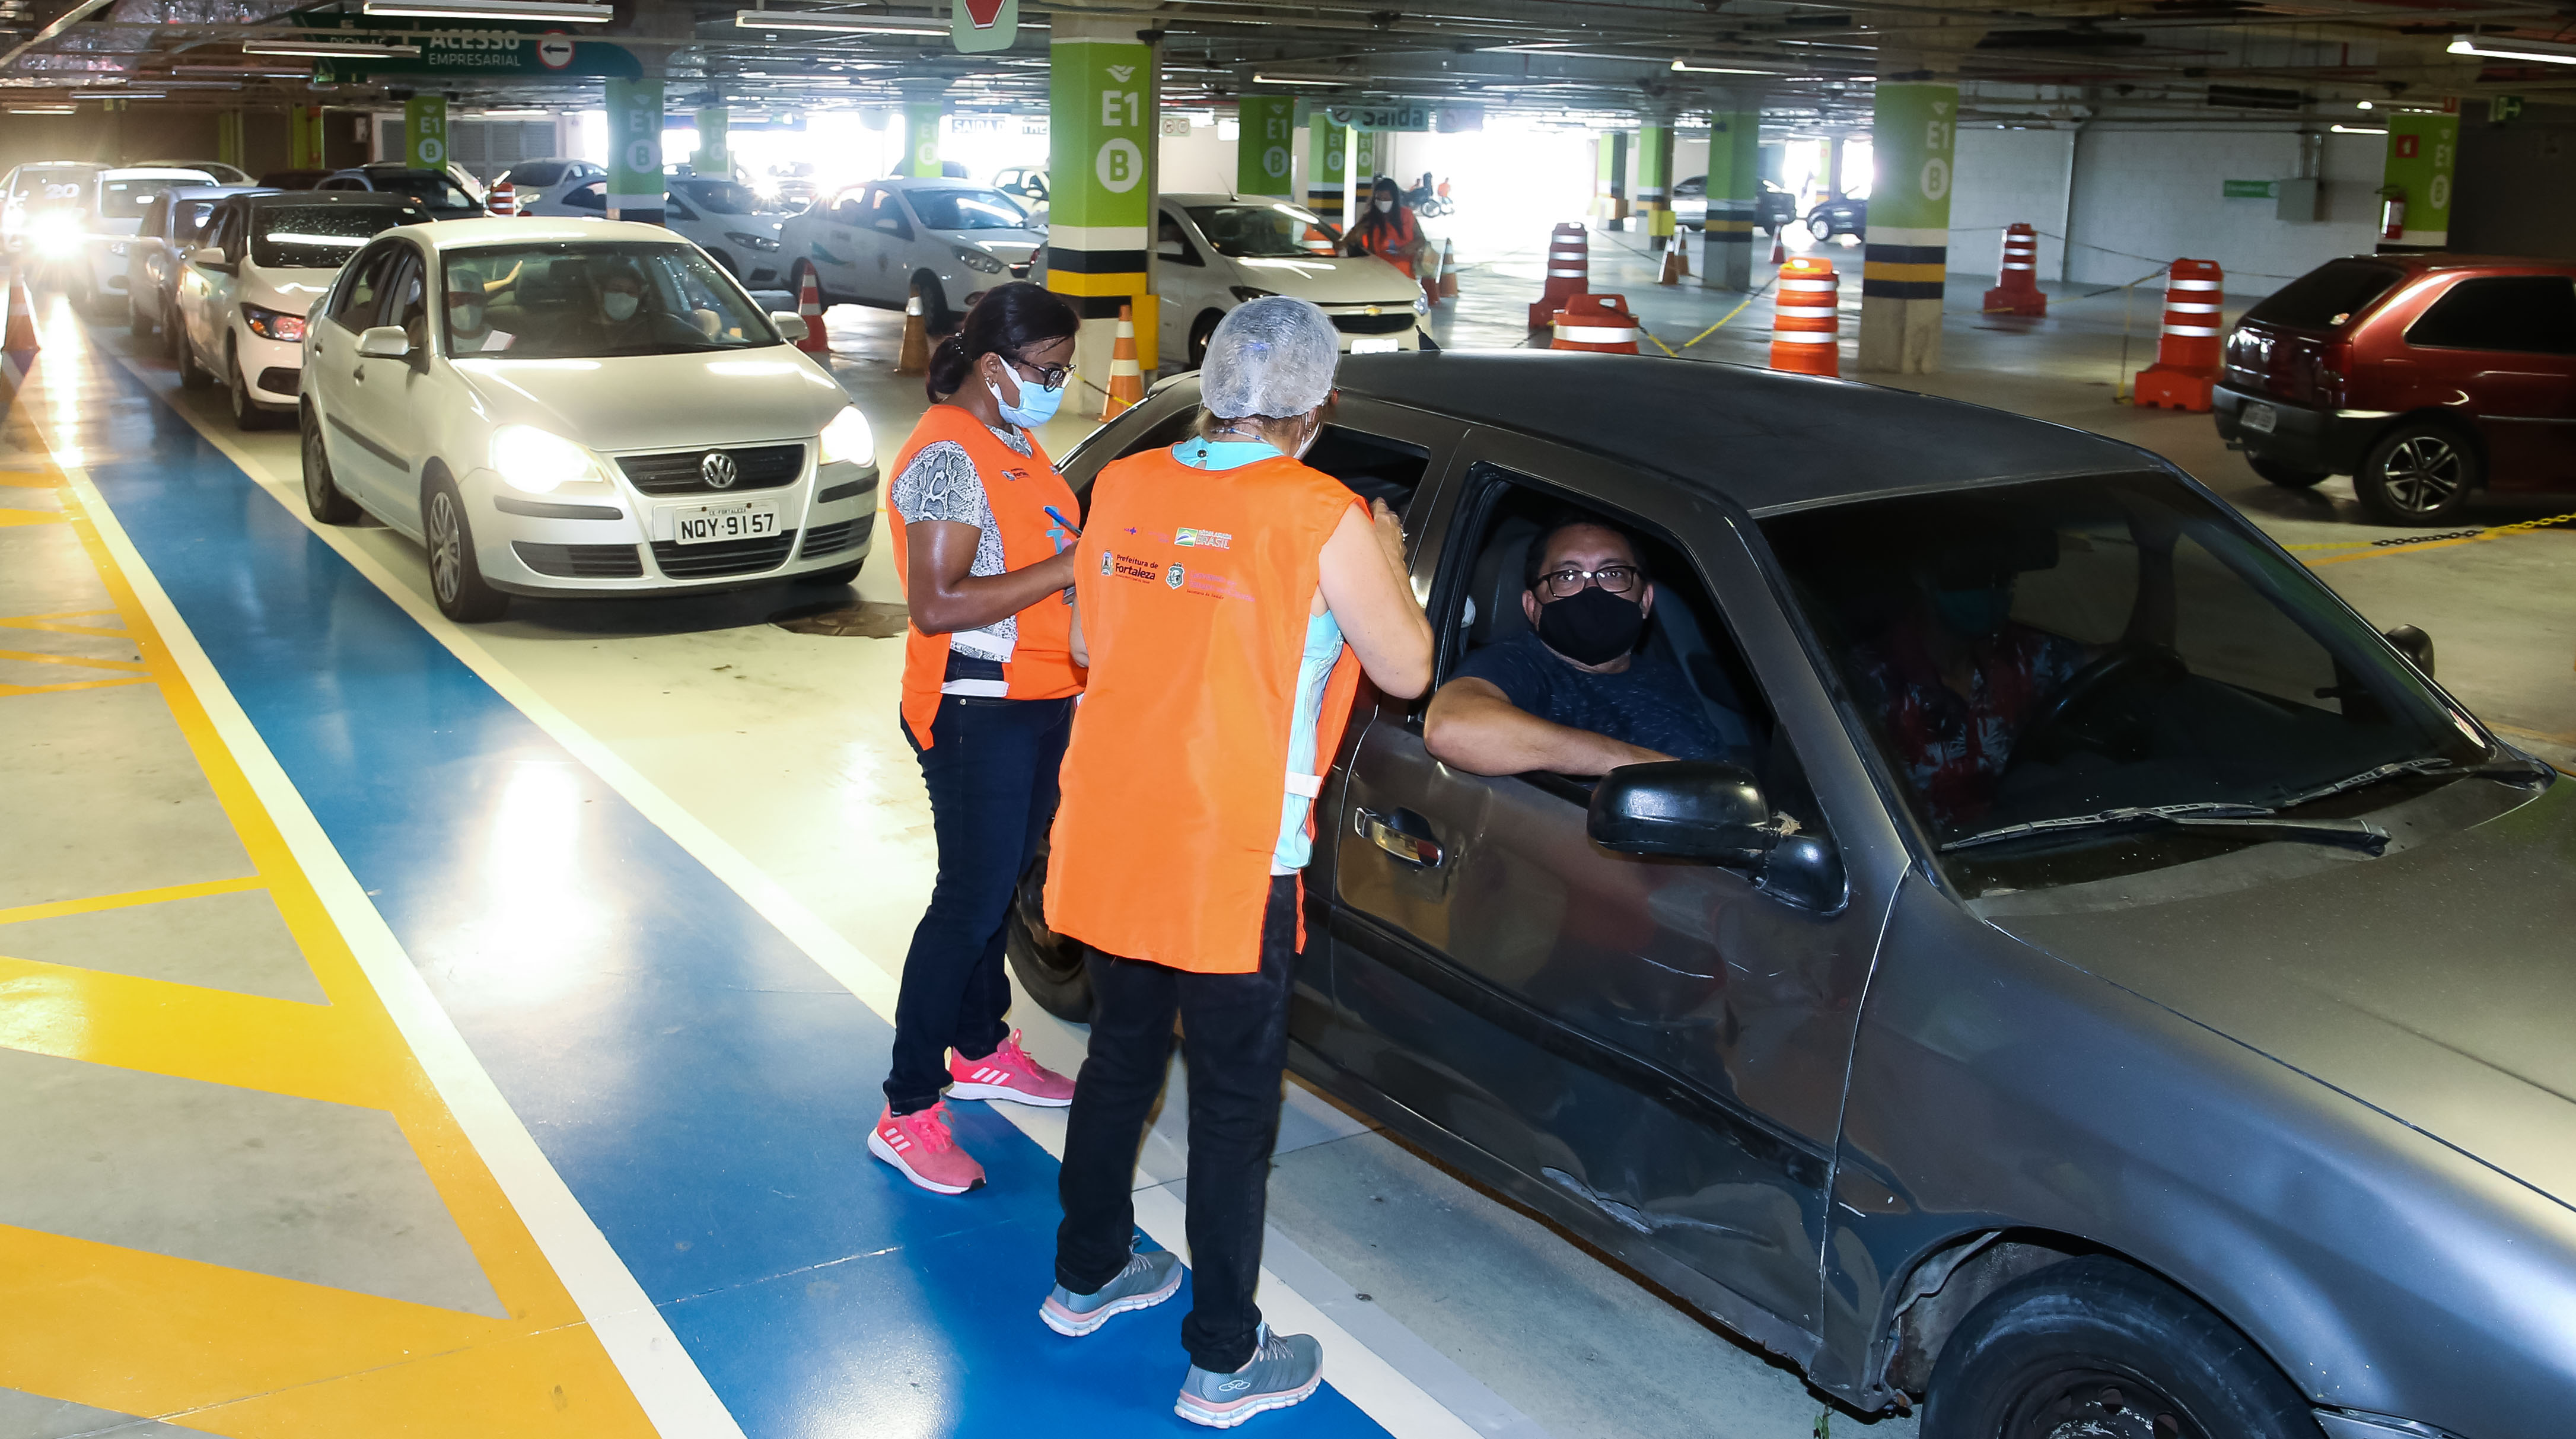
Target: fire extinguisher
<point>2392,214</point>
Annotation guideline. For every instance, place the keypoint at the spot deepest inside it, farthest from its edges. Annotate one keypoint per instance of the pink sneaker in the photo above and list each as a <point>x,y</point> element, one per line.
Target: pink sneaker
<point>921,1146</point>
<point>1008,1073</point>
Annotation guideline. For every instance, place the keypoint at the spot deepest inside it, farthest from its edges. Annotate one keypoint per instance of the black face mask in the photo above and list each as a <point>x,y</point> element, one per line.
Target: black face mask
<point>1591,626</point>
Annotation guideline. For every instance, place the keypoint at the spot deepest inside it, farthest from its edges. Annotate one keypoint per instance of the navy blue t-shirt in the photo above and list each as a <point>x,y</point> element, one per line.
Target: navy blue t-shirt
<point>1649,703</point>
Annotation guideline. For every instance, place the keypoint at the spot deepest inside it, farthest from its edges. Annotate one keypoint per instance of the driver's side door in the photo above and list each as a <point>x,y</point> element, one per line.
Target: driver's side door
<point>1656,1048</point>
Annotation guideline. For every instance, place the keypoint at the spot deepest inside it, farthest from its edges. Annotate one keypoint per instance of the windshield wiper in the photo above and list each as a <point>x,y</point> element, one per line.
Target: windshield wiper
<point>2511,771</point>
<point>2352,833</point>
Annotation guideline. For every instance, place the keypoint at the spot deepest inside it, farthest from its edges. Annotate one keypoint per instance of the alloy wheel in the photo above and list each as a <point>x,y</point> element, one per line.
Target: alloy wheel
<point>2422,473</point>
<point>317,467</point>
<point>240,391</point>
<point>2092,1404</point>
<point>446,548</point>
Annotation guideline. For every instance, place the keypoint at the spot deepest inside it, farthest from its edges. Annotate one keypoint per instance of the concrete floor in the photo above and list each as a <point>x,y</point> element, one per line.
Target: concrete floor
<point>774,756</point>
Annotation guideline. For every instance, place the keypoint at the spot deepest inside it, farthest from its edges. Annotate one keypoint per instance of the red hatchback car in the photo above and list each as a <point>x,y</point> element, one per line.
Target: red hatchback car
<point>2424,377</point>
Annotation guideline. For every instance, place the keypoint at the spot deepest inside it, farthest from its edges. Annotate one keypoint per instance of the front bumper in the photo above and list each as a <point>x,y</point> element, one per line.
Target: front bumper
<point>274,369</point>
<point>2302,437</point>
<point>612,539</point>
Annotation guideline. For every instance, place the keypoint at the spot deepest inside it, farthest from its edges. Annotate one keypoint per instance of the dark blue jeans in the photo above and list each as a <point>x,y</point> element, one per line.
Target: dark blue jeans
<point>991,771</point>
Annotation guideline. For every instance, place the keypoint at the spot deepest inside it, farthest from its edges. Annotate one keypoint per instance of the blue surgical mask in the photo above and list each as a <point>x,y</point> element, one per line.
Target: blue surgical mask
<point>1976,613</point>
<point>1036,406</point>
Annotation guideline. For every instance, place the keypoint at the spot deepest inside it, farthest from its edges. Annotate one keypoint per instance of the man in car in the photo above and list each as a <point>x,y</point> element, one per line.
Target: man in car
<point>1574,695</point>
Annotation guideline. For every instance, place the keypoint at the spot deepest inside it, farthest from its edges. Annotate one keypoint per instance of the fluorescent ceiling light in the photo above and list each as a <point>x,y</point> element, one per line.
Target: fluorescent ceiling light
<point>118,95</point>
<point>2360,130</point>
<point>832,24</point>
<point>324,48</point>
<point>1689,69</point>
<point>1295,80</point>
<point>574,10</point>
<point>2544,51</point>
<point>42,109</point>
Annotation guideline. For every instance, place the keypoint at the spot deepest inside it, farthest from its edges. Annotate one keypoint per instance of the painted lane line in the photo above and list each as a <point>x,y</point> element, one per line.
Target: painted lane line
<point>1384,1393</point>
<point>649,1357</point>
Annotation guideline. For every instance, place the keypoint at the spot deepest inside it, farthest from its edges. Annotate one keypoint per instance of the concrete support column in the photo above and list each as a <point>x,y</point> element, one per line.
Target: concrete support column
<point>1727,260</point>
<point>1327,165</point>
<point>1913,133</point>
<point>1265,140</point>
<point>922,107</point>
<point>715,148</point>
<point>1610,181</point>
<point>304,137</point>
<point>1102,126</point>
<point>1655,179</point>
<point>2423,159</point>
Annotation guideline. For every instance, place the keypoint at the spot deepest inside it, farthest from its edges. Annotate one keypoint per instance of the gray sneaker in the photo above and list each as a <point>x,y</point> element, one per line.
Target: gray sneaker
<point>1148,1280</point>
<point>1283,1371</point>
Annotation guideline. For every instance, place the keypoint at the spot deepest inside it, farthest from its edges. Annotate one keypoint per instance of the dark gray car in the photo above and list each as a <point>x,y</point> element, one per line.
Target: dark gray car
<point>2176,1046</point>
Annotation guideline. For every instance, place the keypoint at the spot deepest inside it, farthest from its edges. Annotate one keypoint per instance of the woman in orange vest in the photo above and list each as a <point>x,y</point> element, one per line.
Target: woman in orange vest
<point>982,545</point>
<point>1228,598</point>
<point>1386,229</point>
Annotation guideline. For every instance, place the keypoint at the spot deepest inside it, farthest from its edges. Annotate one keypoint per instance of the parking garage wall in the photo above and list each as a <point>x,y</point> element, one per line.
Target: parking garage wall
<point>2004,176</point>
<point>2516,190</point>
<point>147,132</point>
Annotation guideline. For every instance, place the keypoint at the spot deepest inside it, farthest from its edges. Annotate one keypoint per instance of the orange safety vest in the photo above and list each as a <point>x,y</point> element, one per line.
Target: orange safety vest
<point>1392,239</point>
<point>1194,589</point>
<point>1019,488</point>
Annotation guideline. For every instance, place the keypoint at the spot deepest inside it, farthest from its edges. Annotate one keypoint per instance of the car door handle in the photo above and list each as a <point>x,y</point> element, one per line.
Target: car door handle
<point>1388,835</point>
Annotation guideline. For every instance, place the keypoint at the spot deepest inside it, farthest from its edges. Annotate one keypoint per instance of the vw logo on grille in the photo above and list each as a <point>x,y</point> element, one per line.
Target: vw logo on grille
<point>718,470</point>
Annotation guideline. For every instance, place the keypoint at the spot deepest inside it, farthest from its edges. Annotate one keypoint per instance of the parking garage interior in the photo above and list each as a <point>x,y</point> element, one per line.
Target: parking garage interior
<point>427,1021</point>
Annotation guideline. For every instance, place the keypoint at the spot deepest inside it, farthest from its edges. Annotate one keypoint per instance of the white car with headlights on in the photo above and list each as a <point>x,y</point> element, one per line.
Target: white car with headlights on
<point>242,296</point>
<point>578,408</point>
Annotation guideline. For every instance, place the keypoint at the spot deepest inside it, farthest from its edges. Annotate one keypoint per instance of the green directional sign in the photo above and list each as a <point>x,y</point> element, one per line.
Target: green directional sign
<point>1402,115</point>
<point>425,132</point>
<point>635,149</point>
<point>496,48</point>
<point>1266,142</point>
<point>2245,189</point>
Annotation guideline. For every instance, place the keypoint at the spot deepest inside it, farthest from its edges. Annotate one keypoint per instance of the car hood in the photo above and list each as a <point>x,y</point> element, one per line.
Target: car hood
<point>1011,246</point>
<point>2436,983</point>
<point>1324,280</point>
<point>660,402</point>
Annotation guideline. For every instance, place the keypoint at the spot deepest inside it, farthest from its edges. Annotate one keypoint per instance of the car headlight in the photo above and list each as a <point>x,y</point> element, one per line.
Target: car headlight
<point>55,233</point>
<point>751,242</point>
<point>1422,304</point>
<point>848,440</point>
<point>978,260</point>
<point>531,459</point>
<point>273,324</point>
<point>1248,293</point>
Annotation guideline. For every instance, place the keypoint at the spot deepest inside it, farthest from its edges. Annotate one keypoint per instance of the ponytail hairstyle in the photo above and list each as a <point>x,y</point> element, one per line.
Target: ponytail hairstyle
<point>1007,320</point>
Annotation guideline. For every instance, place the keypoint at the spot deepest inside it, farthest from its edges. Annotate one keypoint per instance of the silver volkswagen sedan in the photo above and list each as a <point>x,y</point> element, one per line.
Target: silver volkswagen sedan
<point>2113,991</point>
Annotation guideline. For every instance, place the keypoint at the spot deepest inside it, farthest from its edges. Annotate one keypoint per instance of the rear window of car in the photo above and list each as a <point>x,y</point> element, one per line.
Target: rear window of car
<point>125,199</point>
<point>321,237</point>
<point>2528,314</point>
<point>428,187</point>
<point>2326,297</point>
<point>540,173</point>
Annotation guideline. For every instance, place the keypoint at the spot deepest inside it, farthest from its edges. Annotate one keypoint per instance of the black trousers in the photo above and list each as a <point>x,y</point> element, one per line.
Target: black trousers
<point>991,772</point>
<point>1236,1029</point>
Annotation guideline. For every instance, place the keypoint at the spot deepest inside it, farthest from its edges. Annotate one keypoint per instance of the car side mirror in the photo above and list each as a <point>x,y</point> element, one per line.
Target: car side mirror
<point>2413,643</point>
<point>207,256</point>
<point>1700,809</point>
<point>384,342</point>
<point>791,328</point>
<point>1168,250</point>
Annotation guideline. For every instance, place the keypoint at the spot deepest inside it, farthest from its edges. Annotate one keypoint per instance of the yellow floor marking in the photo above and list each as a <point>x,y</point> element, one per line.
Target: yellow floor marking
<point>29,517</point>
<point>261,1357</point>
<point>31,657</point>
<point>27,480</point>
<point>53,624</point>
<point>55,909</point>
<point>8,690</point>
<point>147,1334</point>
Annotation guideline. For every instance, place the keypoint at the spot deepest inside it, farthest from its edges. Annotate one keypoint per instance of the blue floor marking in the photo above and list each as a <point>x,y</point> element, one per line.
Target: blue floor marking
<point>700,1084</point>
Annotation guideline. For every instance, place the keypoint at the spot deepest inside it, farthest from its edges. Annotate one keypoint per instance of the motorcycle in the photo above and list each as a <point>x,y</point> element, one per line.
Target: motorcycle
<point>1428,200</point>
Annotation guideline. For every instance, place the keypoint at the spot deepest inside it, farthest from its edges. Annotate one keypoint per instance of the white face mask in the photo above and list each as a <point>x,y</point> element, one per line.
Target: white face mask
<point>1386,207</point>
<point>620,305</point>
<point>465,319</point>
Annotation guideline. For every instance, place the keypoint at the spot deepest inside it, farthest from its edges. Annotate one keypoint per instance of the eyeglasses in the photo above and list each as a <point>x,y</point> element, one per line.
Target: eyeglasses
<point>1049,377</point>
<point>1615,579</point>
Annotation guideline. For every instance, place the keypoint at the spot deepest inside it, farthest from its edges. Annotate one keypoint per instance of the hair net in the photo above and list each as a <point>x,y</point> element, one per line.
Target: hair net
<point>1272,356</point>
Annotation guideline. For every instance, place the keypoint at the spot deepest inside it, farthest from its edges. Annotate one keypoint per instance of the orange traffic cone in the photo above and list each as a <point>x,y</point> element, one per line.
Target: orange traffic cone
<point>914,357</point>
<point>1126,377</point>
<point>809,308</point>
<point>19,344</point>
<point>1448,271</point>
<point>502,199</point>
<point>1779,250</point>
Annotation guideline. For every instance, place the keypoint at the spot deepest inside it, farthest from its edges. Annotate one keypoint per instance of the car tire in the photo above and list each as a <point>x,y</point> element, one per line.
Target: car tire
<point>247,415</point>
<point>2286,476</point>
<point>135,325</point>
<point>322,494</point>
<point>826,579</point>
<point>455,577</point>
<point>1053,969</point>
<point>934,304</point>
<point>1821,226</point>
<point>2418,473</point>
<point>1201,329</point>
<point>192,376</point>
<point>2097,1340</point>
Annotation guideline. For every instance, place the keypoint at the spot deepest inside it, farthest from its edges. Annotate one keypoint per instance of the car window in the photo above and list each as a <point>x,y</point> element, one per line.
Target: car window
<point>1277,231</point>
<point>850,209</point>
<point>962,209</point>
<point>2327,296</point>
<point>541,174</point>
<point>550,300</point>
<point>354,302</point>
<point>885,214</point>
<point>225,233</point>
<point>428,187</point>
<point>1172,243</point>
<point>156,216</point>
<point>320,237</point>
<point>677,208</point>
<point>404,299</point>
<point>192,221</point>
<point>593,196</point>
<point>125,199</point>
<point>2066,647</point>
<point>2526,314</point>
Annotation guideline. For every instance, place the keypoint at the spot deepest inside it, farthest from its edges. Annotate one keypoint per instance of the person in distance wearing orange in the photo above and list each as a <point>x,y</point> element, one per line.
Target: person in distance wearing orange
<point>1228,598</point>
<point>1387,229</point>
<point>983,546</point>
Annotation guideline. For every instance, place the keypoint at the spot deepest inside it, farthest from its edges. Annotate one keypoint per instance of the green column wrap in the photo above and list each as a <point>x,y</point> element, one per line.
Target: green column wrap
<point>1328,149</point>
<point>635,150</point>
<point>1913,133</point>
<point>1265,144</point>
<point>425,132</point>
<point>1101,133</point>
<point>2423,159</point>
<point>1655,180</point>
<point>1734,185</point>
<point>1610,180</point>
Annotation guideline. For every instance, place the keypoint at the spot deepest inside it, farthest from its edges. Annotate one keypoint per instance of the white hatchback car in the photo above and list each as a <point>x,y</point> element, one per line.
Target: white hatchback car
<point>883,242</point>
<point>578,408</point>
<point>117,201</point>
<point>243,294</point>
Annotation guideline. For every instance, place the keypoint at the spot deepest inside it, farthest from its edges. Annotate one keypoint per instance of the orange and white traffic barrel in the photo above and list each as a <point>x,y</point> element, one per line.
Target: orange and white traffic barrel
<point>1569,272</point>
<point>2187,352</point>
<point>1601,324</point>
<point>1806,318</point>
<point>1126,376</point>
<point>2016,290</point>
<point>502,199</point>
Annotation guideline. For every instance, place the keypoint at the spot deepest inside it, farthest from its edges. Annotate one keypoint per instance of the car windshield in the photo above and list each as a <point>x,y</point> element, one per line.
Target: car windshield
<point>60,184</point>
<point>2326,296</point>
<point>320,237</point>
<point>125,199</point>
<point>1260,232</point>
<point>588,300</point>
<point>2066,647</point>
<point>428,187</point>
<point>719,197</point>
<point>967,209</point>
